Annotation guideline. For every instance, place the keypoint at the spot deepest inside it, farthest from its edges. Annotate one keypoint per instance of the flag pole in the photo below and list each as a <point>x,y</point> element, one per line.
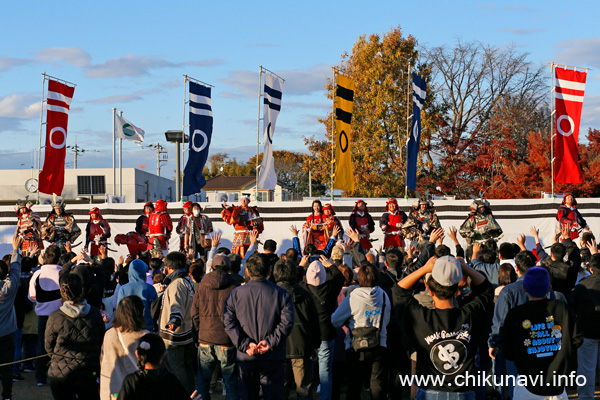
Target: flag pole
<point>114,110</point>
<point>258,131</point>
<point>553,111</point>
<point>407,129</point>
<point>41,125</point>
<point>333,130</point>
<point>121,162</point>
<point>185,80</point>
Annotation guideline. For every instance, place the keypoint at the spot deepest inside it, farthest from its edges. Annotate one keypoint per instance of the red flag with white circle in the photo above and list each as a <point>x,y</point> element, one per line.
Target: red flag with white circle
<point>569,90</point>
<point>58,102</point>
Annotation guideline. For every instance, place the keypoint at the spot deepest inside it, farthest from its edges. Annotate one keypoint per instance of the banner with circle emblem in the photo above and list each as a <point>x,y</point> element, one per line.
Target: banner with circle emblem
<point>343,103</point>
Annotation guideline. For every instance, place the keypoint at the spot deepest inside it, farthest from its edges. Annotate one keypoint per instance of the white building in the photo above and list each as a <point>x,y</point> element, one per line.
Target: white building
<point>89,184</point>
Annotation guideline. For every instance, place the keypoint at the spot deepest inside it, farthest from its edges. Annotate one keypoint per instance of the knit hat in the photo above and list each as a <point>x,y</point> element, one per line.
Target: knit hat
<point>537,282</point>
<point>447,271</point>
<point>337,253</point>
<point>315,274</point>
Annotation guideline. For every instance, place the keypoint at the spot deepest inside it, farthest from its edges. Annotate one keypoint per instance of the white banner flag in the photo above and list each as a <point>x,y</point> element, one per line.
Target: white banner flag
<point>127,130</point>
<point>267,179</point>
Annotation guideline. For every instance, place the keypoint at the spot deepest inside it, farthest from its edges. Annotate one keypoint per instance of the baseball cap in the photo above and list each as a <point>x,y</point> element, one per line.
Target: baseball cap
<point>447,271</point>
<point>221,259</point>
<point>537,282</point>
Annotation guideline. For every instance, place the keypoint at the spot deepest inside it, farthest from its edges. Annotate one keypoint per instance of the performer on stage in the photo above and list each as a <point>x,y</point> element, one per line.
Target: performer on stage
<point>183,221</point>
<point>422,220</point>
<point>160,227</point>
<point>141,224</point>
<point>331,221</point>
<point>97,232</point>
<point>361,220</point>
<point>480,225</point>
<point>314,228</point>
<point>391,224</point>
<point>60,226</point>
<point>197,232</point>
<point>244,219</point>
<point>568,215</point>
<point>28,226</point>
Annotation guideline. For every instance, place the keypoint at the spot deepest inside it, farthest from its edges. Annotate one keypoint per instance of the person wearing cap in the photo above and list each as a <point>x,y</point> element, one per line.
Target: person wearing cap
<point>258,318</point>
<point>97,232</point>
<point>244,219</point>
<point>540,337</point>
<point>141,224</point>
<point>361,220</point>
<point>182,223</point>
<point>197,232</point>
<point>60,226</point>
<point>444,337</point>
<point>214,346</point>
<point>569,216</point>
<point>391,224</point>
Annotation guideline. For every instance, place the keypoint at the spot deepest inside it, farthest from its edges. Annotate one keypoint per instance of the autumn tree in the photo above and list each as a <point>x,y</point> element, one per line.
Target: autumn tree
<point>382,102</point>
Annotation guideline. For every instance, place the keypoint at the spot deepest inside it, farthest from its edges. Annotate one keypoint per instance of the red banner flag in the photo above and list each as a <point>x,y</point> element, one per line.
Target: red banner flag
<point>52,176</point>
<point>570,87</point>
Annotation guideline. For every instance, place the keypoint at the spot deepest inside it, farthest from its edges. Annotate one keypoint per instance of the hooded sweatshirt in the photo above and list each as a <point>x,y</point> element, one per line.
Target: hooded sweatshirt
<point>362,308</point>
<point>137,286</point>
<point>8,292</point>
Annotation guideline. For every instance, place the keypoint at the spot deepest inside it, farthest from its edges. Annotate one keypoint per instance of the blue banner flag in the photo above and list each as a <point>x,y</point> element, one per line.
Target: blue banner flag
<point>201,126</point>
<point>412,147</point>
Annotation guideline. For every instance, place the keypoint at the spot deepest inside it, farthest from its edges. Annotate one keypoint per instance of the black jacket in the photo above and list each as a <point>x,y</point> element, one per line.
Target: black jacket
<point>306,333</point>
<point>74,334</point>
<point>325,298</point>
<point>585,300</point>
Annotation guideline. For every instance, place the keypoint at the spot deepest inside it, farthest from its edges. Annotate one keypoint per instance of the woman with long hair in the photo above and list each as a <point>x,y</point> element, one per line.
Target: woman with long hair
<point>315,227</point>
<point>120,342</point>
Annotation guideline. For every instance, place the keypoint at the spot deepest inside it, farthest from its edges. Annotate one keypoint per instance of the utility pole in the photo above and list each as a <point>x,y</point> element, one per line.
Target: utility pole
<point>162,155</point>
<point>76,150</point>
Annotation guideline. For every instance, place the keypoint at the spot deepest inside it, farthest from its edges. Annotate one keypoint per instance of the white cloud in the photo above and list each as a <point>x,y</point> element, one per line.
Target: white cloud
<point>590,113</point>
<point>7,63</point>
<point>205,63</point>
<point>128,65</point>
<point>20,106</point>
<point>69,55</point>
<point>579,52</point>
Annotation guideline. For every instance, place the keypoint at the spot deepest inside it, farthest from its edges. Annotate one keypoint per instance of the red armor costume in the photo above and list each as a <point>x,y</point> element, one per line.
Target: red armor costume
<point>136,243</point>
<point>141,224</point>
<point>315,227</point>
<point>244,219</point>
<point>331,221</point>
<point>160,227</point>
<point>28,226</point>
<point>569,216</point>
<point>391,224</point>
<point>361,220</point>
<point>183,221</point>
<point>97,232</point>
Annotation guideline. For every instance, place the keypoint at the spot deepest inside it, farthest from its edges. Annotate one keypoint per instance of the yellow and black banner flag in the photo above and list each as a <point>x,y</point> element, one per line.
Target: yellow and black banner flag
<point>343,101</point>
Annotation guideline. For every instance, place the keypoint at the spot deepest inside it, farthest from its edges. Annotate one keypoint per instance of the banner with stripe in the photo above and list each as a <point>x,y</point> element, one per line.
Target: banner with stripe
<point>343,103</point>
<point>201,127</point>
<point>569,91</point>
<point>412,147</point>
<point>58,103</point>
<point>267,179</point>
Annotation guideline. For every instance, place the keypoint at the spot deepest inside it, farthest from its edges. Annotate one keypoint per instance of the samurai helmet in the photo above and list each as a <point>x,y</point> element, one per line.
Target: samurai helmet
<point>23,204</point>
<point>161,205</point>
<point>57,202</point>
<point>478,203</point>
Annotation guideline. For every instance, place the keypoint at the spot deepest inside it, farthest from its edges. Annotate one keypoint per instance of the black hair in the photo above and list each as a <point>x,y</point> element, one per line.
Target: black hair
<point>270,245</point>
<point>3,270</point>
<point>595,264</point>
<point>506,274</point>
<point>487,255</point>
<point>223,250</point>
<point>52,254</point>
<point>492,244</point>
<point>558,251</point>
<point>309,249</point>
<point>150,349</point>
<point>71,287</point>
<point>284,271</point>
<point>175,260</point>
<point>506,251</point>
<point>394,258</point>
<point>442,250</point>
<point>155,263</point>
<point>440,291</point>
<point>236,263</point>
<point>129,315</point>
<point>28,264</point>
<point>257,266</point>
<point>197,270</point>
<point>587,237</point>
<point>292,255</point>
<point>525,260</point>
<point>368,275</point>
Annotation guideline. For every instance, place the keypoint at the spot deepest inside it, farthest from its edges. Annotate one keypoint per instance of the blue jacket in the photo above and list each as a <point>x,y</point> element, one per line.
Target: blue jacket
<point>8,292</point>
<point>137,286</point>
<point>259,310</point>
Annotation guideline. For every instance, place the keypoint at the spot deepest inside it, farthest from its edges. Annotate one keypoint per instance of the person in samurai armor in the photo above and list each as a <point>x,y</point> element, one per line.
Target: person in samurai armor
<point>316,232</point>
<point>28,226</point>
<point>141,224</point>
<point>197,232</point>
<point>244,219</point>
<point>160,227</point>
<point>97,232</point>
<point>136,243</point>
<point>480,225</point>
<point>331,221</point>
<point>391,224</point>
<point>361,220</point>
<point>60,226</point>
<point>568,215</point>
<point>422,220</point>
<point>182,223</point>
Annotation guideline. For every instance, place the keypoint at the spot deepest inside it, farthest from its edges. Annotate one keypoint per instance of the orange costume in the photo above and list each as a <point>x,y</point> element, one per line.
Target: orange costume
<point>316,231</point>
<point>244,220</point>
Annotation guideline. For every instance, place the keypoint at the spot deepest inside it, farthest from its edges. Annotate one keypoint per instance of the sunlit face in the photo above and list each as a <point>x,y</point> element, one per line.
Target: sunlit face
<point>147,210</point>
<point>58,210</point>
<point>245,201</point>
<point>94,217</point>
<point>196,210</point>
<point>187,211</point>
<point>327,212</point>
<point>22,210</point>
<point>392,207</point>
<point>423,207</point>
<point>361,206</point>
<point>569,200</point>
<point>316,208</point>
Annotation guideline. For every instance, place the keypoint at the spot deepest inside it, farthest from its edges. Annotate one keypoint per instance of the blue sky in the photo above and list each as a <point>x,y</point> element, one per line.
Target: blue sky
<point>132,55</point>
